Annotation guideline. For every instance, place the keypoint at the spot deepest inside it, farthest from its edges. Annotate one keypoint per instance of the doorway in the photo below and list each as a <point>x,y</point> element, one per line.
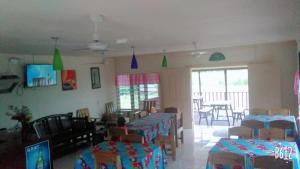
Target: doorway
<point>218,85</point>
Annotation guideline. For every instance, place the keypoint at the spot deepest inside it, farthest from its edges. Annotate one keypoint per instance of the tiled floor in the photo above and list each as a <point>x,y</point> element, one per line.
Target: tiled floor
<point>190,155</point>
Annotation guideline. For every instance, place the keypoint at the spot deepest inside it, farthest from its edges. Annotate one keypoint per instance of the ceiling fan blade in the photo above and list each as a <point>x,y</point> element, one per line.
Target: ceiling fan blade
<point>80,49</point>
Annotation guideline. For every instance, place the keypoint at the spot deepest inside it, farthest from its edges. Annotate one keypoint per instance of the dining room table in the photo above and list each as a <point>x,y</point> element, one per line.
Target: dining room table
<point>266,119</point>
<point>154,125</point>
<point>251,148</point>
<point>132,156</point>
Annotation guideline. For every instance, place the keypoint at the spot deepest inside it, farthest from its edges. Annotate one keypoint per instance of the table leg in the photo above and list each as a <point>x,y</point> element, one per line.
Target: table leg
<point>174,138</point>
<point>226,109</point>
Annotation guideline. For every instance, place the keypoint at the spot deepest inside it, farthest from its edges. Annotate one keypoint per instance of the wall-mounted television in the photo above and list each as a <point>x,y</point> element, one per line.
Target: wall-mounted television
<point>38,155</point>
<point>40,75</point>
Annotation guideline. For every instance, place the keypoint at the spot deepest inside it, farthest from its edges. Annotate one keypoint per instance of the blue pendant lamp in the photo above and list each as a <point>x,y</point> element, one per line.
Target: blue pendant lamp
<point>217,56</point>
<point>134,63</point>
<point>57,60</point>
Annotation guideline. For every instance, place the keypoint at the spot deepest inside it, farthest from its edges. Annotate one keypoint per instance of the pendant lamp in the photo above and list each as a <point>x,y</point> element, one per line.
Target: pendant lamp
<point>134,63</point>
<point>217,56</point>
<point>164,63</point>
<point>57,60</point>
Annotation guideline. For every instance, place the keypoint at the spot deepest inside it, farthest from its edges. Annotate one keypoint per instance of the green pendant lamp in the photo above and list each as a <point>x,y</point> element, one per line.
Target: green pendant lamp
<point>57,60</point>
<point>217,56</point>
<point>164,63</point>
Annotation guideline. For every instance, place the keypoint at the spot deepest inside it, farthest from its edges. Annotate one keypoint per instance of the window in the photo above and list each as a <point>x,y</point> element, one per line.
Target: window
<point>135,88</point>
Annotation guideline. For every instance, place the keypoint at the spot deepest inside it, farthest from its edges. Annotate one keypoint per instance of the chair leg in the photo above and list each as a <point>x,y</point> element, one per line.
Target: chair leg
<point>233,118</point>
<point>200,118</point>
<point>206,119</point>
<point>181,137</point>
<point>173,147</point>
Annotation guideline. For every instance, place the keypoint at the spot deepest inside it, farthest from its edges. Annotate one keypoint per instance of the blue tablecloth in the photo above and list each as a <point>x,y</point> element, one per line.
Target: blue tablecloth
<point>133,156</point>
<point>267,119</point>
<point>252,148</point>
<point>153,125</point>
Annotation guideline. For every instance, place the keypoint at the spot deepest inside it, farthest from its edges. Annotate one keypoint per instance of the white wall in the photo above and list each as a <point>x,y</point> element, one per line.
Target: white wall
<point>271,72</point>
<point>52,100</point>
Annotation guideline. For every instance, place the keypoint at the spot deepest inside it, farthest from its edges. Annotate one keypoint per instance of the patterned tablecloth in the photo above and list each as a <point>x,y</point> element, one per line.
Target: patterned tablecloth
<point>253,148</point>
<point>153,125</point>
<point>267,119</point>
<point>133,156</point>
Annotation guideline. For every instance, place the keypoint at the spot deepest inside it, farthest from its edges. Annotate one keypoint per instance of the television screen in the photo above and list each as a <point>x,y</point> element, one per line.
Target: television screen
<point>38,155</point>
<point>40,75</point>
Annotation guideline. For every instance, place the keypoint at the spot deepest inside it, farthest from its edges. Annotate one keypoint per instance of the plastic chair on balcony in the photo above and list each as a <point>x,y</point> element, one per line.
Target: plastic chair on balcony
<point>237,114</point>
<point>202,110</point>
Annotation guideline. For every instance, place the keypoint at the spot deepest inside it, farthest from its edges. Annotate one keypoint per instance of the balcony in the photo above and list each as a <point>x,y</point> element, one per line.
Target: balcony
<point>239,99</point>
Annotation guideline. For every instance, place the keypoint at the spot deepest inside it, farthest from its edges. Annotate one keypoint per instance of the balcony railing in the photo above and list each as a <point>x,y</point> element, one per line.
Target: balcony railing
<point>239,99</point>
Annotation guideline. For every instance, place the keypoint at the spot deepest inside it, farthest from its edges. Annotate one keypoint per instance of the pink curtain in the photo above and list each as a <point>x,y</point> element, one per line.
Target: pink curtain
<point>136,79</point>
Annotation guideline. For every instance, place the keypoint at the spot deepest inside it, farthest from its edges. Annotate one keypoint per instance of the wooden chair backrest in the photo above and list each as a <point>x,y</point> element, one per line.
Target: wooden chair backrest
<point>133,138</point>
<point>107,158</point>
<point>271,134</point>
<point>270,162</point>
<point>179,115</point>
<point>148,104</point>
<point>241,131</point>
<point>117,132</point>
<point>281,111</point>
<point>171,110</point>
<point>253,124</point>
<point>283,124</point>
<point>227,158</point>
<point>258,111</point>
<point>109,107</point>
<point>84,112</point>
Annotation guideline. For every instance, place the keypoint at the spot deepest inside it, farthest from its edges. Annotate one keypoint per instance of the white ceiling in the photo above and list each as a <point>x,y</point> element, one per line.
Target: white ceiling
<point>151,25</point>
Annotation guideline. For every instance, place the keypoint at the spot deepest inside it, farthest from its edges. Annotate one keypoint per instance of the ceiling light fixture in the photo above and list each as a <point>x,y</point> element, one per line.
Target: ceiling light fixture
<point>217,56</point>
<point>134,63</point>
<point>164,63</point>
<point>57,60</point>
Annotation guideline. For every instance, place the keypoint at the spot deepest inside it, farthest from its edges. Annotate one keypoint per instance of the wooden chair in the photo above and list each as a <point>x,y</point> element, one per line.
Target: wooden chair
<point>109,107</point>
<point>148,104</point>
<point>179,123</point>
<point>106,158</point>
<point>115,133</point>
<point>241,131</point>
<point>133,138</point>
<point>84,112</point>
<point>167,141</point>
<point>284,125</point>
<point>253,124</point>
<point>270,162</point>
<point>202,110</point>
<point>281,111</point>
<point>271,134</point>
<point>258,111</point>
<point>227,158</point>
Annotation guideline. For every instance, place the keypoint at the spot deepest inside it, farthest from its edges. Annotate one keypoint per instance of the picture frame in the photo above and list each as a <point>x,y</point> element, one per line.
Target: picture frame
<point>68,80</point>
<point>95,77</point>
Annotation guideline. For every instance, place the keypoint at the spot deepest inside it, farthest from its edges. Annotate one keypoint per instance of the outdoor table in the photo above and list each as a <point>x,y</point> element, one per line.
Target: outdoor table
<point>220,105</point>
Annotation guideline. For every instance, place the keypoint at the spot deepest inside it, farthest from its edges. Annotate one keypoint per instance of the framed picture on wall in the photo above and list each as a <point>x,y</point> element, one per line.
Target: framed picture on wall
<point>68,79</point>
<point>95,77</point>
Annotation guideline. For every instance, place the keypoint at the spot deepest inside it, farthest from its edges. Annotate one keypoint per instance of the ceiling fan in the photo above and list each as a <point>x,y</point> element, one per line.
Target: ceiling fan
<point>197,53</point>
<point>96,44</point>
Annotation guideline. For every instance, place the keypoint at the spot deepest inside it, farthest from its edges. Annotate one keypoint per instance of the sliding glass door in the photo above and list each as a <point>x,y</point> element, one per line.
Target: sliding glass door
<point>222,84</point>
